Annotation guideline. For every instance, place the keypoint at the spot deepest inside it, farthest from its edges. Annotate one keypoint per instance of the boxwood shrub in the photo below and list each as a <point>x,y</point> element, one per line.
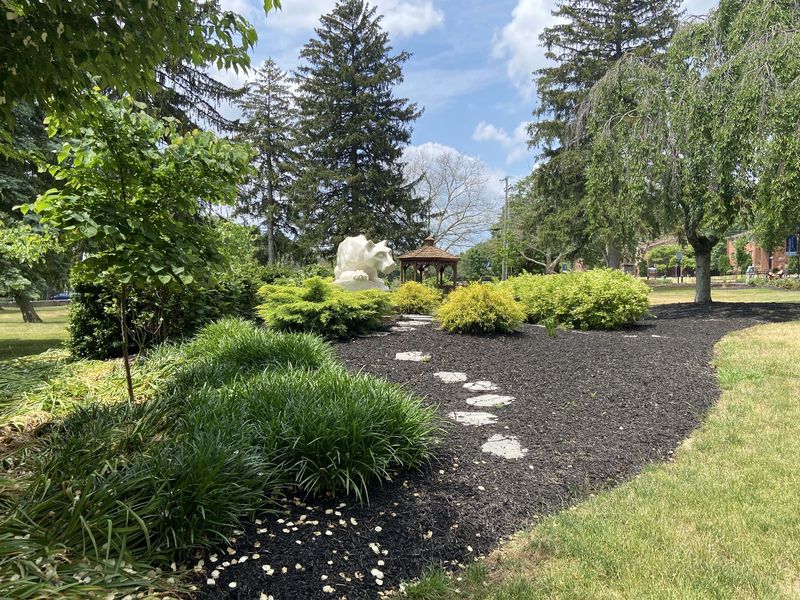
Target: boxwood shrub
<point>415,298</point>
<point>318,306</point>
<point>480,308</point>
<point>597,299</point>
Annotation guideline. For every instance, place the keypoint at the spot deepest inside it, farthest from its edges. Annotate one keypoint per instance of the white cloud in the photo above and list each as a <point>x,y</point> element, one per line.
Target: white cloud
<point>401,18</point>
<point>515,144</point>
<point>518,43</point>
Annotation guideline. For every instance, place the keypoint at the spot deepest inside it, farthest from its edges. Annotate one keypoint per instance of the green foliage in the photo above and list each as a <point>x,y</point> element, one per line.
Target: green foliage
<point>597,299</point>
<point>724,265</point>
<point>478,263</point>
<point>321,307</point>
<point>352,130</point>
<point>152,318</point>
<point>666,255</point>
<point>415,298</point>
<point>741,255</point>
<point>54,49</point>
<point>480,308</point>
<point>239,417</point>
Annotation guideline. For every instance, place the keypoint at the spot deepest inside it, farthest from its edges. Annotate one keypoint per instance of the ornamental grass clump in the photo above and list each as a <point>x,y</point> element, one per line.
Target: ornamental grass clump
<point>416,298</point>
<point>597,299</point>
<point>318,306</point>
<point>480,308</point>
<point>244,416</point>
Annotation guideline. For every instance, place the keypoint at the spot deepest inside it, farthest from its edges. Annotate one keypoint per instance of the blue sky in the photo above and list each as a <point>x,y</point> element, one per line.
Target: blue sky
<point>470,68</point>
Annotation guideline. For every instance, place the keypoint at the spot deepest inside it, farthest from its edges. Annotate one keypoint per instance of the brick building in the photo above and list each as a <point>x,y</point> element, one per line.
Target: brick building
<point>763,260</point>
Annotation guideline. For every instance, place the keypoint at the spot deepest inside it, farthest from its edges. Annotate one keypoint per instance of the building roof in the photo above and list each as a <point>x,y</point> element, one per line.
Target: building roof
<point>429,252</point>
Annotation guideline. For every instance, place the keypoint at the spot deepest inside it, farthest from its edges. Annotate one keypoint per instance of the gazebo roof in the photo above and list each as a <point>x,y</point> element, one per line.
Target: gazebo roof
<point>429,252</point>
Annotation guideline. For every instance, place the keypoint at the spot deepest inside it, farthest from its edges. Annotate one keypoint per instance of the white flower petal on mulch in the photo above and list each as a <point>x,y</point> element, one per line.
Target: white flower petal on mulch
<point>413,355</point>
<point>398,329</point>
<point>480,386</point>
<point>505,446</point>
<point>473,418</point>
<point>451,376</point>
<point>485,400</point>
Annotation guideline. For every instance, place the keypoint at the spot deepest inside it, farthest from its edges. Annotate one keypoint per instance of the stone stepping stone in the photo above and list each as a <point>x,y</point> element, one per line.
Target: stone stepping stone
<point>480,386</point>
<point>485,400</point>
<point>504,446</point>
<point>410,323</point>
<point>413,355</point>
<point>473,418</point>
<point>375,334</point>
<point>398,329</point>
<point>417,317</point>
<point>451,376</point>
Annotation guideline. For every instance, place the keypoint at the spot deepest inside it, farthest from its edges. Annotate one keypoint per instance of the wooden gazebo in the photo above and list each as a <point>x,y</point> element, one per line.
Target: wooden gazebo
<point>428,257</point>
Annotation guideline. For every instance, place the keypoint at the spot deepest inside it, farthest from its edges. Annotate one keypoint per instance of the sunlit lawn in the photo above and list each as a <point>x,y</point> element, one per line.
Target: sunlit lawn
<point>19,339</point>
<point>721,521</point>
<point>750,294</point>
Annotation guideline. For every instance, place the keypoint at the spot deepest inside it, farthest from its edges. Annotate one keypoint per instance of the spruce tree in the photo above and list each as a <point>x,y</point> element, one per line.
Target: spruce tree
<point>590,38</point>
<point>268,122</point>
<point>352,130</point>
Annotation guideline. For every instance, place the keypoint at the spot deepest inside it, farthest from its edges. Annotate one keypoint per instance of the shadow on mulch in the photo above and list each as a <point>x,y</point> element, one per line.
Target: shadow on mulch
<point>592,408</point>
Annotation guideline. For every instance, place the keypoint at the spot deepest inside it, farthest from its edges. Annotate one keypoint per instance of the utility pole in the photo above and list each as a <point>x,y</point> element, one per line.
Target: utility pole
<point>504,272</point>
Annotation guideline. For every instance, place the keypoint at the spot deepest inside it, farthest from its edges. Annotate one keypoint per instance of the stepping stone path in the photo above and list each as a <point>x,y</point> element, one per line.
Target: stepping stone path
<point>505,446</point>
<point>473,418</point>
<point>480,386</point>
<point>410,323</point>
<point>485,400</point>
<point>451,376</point>
<point>413,355</point>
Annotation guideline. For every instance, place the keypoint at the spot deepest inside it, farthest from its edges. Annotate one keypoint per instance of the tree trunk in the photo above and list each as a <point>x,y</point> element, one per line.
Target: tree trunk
<point>126,362</point>
<point>613,258</point>
<point>702,257</point>
<point>26,308</point>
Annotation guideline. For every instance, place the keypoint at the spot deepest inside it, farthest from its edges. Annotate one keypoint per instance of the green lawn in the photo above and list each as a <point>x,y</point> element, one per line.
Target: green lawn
<point>19,339</point>
<point>668,295</point>
<point>720,521</point>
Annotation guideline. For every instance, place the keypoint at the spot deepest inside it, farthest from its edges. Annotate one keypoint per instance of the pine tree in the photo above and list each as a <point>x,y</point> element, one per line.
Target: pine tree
<point>352,130</point>
<point>268,123</point>
<point>591,36</point>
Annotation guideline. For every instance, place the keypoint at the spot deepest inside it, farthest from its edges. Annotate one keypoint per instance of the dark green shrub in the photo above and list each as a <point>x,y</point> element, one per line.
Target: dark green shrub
<point>416,298</point>
<point>480,308</point>
<point>94,330</point>
<point>324,308</point>
<point>597,299</point>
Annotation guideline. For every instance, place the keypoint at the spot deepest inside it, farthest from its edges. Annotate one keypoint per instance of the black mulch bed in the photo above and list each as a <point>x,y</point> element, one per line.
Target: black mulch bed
<point>591,408</point>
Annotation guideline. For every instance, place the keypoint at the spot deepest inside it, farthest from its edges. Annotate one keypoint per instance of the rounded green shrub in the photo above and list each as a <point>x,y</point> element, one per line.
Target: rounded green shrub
<point>415,298</point>
<point>318,306</point>
<point>597,299</point>
<point>481,308</point>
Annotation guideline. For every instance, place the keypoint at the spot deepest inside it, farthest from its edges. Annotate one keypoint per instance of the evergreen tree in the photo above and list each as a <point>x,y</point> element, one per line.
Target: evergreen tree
<point>352,130</point>
<point>268,122</point>
<point>591,36</point>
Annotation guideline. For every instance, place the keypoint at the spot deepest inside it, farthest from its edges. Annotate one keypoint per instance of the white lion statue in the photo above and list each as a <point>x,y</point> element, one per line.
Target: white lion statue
<point>358,262</point>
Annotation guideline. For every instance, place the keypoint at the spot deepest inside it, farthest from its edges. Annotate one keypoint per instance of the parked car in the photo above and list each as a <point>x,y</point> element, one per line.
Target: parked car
<point>61,296</point>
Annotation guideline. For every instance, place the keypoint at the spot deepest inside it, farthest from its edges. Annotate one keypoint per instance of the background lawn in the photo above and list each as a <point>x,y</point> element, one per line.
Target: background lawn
<point>720,521</point>
<point>19,339</point>
<point>668,295</point>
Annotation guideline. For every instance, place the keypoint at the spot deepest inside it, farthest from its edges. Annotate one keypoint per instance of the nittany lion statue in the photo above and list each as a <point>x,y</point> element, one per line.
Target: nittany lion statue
<point>358,262</point>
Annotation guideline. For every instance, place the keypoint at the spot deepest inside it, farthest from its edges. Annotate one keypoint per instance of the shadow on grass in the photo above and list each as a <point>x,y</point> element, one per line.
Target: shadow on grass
<point>16,347</point>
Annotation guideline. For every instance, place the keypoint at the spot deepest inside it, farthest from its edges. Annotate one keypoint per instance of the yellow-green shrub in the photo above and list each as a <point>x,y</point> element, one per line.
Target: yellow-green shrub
<point>318,306</point>
<point>597,299</point>
<point>480,308</point>
<point>415,298</point>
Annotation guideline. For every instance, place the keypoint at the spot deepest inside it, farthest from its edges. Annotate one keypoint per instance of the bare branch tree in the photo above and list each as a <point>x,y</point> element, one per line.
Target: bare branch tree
<point>455,189</point>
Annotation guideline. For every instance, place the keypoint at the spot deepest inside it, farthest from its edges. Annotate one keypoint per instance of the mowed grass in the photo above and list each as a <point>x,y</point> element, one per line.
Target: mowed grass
<point>720,521</point>
<point>749,294</point>
<point>20,339</point>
